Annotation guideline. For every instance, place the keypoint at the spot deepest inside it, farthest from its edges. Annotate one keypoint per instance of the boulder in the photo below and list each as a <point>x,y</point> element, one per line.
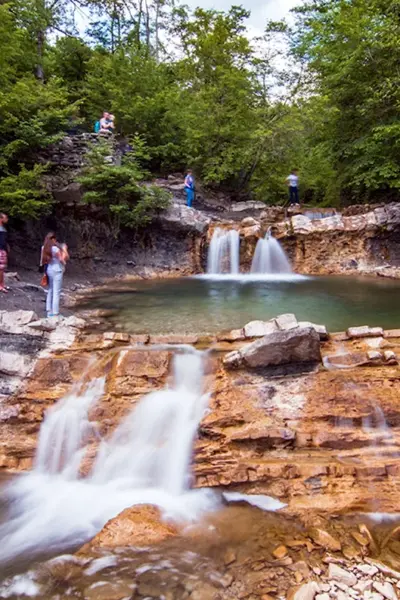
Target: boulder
<point>178,217</point>
<point>300,345</point>
<point>259,328</point>
<point>139,525</point>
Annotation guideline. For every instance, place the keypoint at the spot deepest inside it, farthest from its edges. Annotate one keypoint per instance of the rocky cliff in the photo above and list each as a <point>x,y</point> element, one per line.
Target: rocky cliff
<point>314,431</point>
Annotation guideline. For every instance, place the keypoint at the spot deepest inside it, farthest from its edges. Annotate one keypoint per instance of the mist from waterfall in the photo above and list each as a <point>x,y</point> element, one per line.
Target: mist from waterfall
<point>223,253</point>
<point>145,461</point>
<point>269,257</point>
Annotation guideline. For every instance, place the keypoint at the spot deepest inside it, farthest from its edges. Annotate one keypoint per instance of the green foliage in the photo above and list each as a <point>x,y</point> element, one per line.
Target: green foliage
<point>120,188</point>
<point>242,112</point>
<point>353,48</point>
<point>23,194</point>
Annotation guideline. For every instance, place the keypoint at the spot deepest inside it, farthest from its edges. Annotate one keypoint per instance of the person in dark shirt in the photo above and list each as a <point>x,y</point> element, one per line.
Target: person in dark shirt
<point>4,249</point>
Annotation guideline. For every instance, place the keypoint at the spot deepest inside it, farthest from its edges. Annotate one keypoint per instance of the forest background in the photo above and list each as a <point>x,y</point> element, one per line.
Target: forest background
<point>194,88</point>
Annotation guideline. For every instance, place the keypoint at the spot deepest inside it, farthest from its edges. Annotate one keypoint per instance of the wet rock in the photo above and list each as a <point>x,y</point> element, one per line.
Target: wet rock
<point>282,347</point>
<point>204,592</point>
<point>106,590</point>
<point>229,556</point>
<point>386,589</point>
<point>340,575</point>
<point>234,335</point>
<point>259,328</point>
<point>364,331</point>
<point>325,539</point>
<point>280,552</point>
<point>307,591</point>
<point>137,526</point>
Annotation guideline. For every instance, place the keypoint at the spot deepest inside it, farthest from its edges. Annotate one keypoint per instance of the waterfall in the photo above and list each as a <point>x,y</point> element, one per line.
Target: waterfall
<point>223,253</point>
<point>146,461</point>
<point>65,431</point>
<point>269,257</point>
<point>152,447</point>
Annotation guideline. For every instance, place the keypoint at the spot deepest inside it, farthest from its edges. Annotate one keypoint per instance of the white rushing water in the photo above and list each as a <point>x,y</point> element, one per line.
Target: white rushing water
<point>146,460</point>
<point>269,257</point>
<point>223,253</point>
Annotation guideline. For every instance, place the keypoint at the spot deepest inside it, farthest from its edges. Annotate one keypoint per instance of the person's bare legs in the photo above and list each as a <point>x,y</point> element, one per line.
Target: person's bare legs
<point>2,287</point>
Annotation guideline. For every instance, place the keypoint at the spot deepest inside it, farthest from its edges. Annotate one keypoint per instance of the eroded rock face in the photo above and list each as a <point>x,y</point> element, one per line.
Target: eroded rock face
<point>311,439</point>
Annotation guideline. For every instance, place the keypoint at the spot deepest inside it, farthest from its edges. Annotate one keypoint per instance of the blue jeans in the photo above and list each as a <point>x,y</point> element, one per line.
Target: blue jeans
<point>189,196</point>
<point>55,276</point>
<point>293,194</point>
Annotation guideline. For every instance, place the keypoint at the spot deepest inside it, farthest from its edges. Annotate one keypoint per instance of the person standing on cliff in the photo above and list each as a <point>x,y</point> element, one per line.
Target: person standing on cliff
<point>189,188</point>
<point>293,183</point>
<point>4,250</point>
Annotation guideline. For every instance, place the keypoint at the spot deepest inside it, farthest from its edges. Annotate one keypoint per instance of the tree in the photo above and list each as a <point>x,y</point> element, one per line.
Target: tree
<point>353,51</point>
<point>119,188</point>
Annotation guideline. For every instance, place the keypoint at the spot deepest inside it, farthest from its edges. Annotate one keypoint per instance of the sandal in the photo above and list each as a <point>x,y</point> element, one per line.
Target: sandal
<point>4,290</point>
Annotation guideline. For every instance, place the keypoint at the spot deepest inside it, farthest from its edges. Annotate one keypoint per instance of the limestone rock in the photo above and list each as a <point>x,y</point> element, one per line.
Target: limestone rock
<point>287,321</point>
<point>325,539</point>
<point>249,222</point>
<point>16,321</point>
<point>390,357</point>
<point>12,363</point>
<point>364,331</point>
<point>178,217</point>
<point>320,329</point>
<point>259,328</point>
<point>339,574</point>
<point>234,335</point>
<point>386,589</point>
<point>281,347</point>
<point>307,591</point>
<point>139,525</point>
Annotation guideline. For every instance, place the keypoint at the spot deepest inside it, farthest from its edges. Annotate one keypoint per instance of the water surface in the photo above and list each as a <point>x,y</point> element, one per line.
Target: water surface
<point>214,303</point>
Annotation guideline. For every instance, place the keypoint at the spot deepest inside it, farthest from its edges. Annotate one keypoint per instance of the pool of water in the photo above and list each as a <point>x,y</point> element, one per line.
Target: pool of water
<point>209,304</point>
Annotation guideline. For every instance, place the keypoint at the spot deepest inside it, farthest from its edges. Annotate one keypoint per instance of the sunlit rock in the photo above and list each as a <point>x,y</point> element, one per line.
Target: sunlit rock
<point>281,347</point>
<point>140,525</point>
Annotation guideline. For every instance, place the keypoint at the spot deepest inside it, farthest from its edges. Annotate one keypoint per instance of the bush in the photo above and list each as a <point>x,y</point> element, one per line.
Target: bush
<point>120,188</point>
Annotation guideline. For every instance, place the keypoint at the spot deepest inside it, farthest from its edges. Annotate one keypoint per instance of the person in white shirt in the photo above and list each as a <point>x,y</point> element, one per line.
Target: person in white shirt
<point>293,184</point>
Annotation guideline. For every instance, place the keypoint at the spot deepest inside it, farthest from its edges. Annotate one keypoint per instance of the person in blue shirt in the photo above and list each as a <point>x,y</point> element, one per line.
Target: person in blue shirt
<point>189,188</point>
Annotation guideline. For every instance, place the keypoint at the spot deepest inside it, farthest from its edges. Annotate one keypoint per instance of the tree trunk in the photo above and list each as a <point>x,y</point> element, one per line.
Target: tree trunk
<point>157,40</point>
<point>40,48</point>
<point>147,26</point>
<point>139,23</point>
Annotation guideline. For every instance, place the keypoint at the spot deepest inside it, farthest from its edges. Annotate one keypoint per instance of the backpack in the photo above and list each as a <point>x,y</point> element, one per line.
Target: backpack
<point>97,127</point>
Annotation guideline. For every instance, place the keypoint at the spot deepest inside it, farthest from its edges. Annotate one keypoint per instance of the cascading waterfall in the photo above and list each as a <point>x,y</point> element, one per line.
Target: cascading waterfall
<point>269,257</point>
<point>146,461</point>
<point>223,253</point>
